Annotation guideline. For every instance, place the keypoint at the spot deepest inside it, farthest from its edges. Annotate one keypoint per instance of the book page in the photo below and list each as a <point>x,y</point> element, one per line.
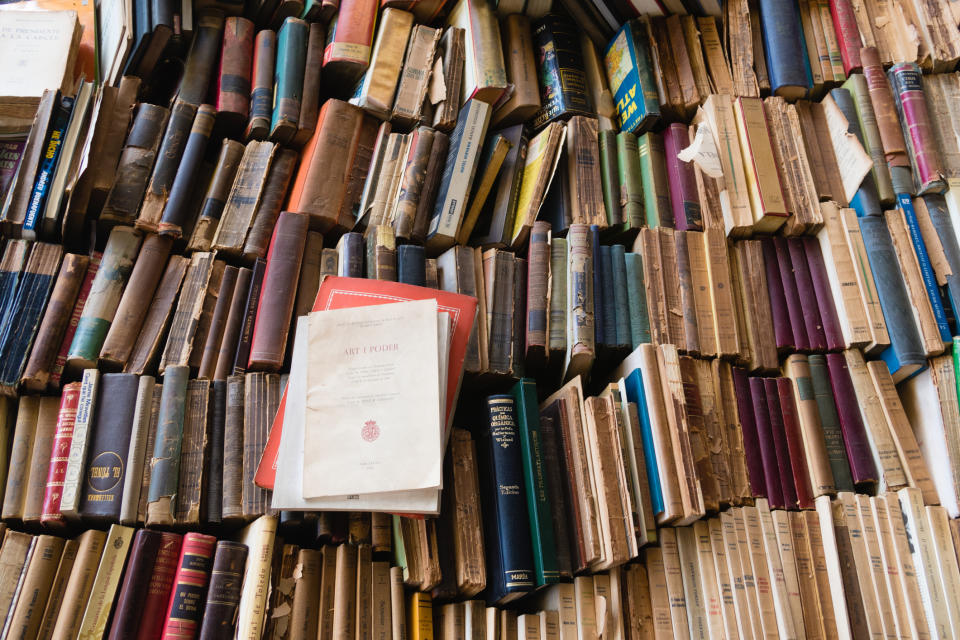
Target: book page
<point>372,418</point>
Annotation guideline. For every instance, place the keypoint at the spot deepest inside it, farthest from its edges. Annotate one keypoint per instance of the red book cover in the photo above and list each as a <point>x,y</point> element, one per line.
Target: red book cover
<point>791,295</point>
<point>848,34</point>
<point>810,306</point>
<point>821,285</point>
<point>143,598</point>
<point>782,328</point>
<point>345,293</point>
<point>683,182</point>
<point>768,453</point>
<point>61,360</point>
<point>185,612</point>
<point>780,443</point>
<point>50,515</point>
<point>236,67</point>
<point>352,36</point>
<point>855,441</point>
<point>798,457</point>
<point>748,426</point>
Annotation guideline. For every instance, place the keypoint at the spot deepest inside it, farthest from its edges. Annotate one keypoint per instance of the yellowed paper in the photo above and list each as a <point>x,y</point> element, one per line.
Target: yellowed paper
<point>853,161</point>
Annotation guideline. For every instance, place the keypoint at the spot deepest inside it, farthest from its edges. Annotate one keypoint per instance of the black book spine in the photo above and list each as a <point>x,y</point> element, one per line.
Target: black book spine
<point>223,594</point>
<point>214,476</point>
<point>246,333</point>
<point>411,265</point>
<point>202,59</point>
<point>599,308</point>
<point>179,203</point>
<point>554,465</point>
<point>351,255</point>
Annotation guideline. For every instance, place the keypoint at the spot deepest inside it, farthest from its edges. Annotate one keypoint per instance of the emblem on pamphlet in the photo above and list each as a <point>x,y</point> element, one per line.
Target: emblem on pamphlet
<point>370,431</point>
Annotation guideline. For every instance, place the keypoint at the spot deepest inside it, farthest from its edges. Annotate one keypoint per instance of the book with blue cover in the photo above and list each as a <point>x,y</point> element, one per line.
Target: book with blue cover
<point>630,72</point>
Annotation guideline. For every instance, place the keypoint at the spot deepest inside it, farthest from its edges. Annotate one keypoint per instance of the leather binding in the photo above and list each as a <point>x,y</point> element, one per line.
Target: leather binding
<point>176,212</point>
<point>104,170</point>
<point>329,182</point>
<point>310,273</point>
<point>810,302</point>
<point>202,58</point>
<point>261,94</point>
<point>213,479</point>
<point>24,312</point>
<point>794,442</point>
<point>233,324</point>
<point>784,48</point>
<point>208,306</point>
<point>131,312</point>
<point>186,318</point>
<point>757,306</point>
<point>684,198</point>
<point>261,399</point>
<point>847,34</point>
<point>233,80</point>
<point>242,353</point>
<point>765,442</point>
<point>268,211</point>
<point>782,328</point>
<point>98,312</point>
<point>517,37</point>
<point>146,349</point>
<point>137,460</point>
<point>39,460</point>
<point>347,53</point>
<point>246,193</point>
<point>232,484</point>
<point>135,165</point>
<point>288,79</point>
<point>50,515</point>
<point>107,452</point>
<point>223,594</point>
<point>411,265</point>
<point>583,171</point>
<point>185,612</point>
<point>821,286</point>
<point>431,185</point>
<point>350,250</point>
<point>77,592</point>
<point>168,158</point>
<point>161,500</point>
<point>830,422</point>
<point>791,296</point>
<point>193,453</point>
<point>509,560</point>
<point>412,178</point>
<point>748,424</point>
<point>218,323</point>
<point>83,425</point>
<point>26,613</point>
<point>906,81</point>
<point>215,198</point>
<point>778,430</point>
<point>56,317</point>
<point>537,310</point>
<point>855,441</point>
<point>147,582</point>
<point>462,273</point>
<point>376,91</point>
<point>310,102</point>
<point>269,341</point>
<point>452,50</point>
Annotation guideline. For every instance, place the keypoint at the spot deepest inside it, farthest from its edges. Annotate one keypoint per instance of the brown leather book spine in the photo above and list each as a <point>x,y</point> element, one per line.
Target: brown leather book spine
<point>223,595</point>
<point>310,269</point>
<point>58,588</point>
<point>39,461</point>
<point>207,309</point>
<point>310,101</point>
<point>261,94</point>
<point>180,203</point>
<point>36,375</point>
<point>245,195</point>
<point>231,153</point>
<point>109,155</point>
<point>232,509</point>
<point>168,160</point>
<point>269,341</point>
<point>274,194</point>
<point>186,317</point>
<point>132,311</point>
<point>143,355</point>
<point>151,440</point>
<point>233,83</point>
<point>218,323</point>
<point>135,165</point>
<point>233,325</point>
<point>431,182</point>
<point>193,453</point>
<point>517,38</point>
<point>242,353</point>
<point>382,253</point>
<point>261,399</point>
<point>885,108</point>
<point>688,306</point>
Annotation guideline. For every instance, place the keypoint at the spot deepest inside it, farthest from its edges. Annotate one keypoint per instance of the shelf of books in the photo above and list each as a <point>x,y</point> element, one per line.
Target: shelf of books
<point>479,319</point>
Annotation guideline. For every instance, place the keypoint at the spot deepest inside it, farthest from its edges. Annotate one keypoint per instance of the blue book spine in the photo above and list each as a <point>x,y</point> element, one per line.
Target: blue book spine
<point>48,164</point>
<point>634,388</point>
<point>621,306</point>
<point>24,318</point>
<point>784,48</point>
<point>940,217</point>
<point>926,268</point>
<point>411,265</point>
<point>606,294</point>
<point>599,309</point>
<point>631,79</point>
<point>289,70</point>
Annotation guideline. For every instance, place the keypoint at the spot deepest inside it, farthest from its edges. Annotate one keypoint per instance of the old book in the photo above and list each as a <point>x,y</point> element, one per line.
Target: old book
<point>766,194</point>
<point>249,188</point>
<point>183,616</point>
<point>381,253</point>
<point>165,464</point>
<point>414,80</point>
<point>261,397</point>
<point>797,368</point>
<point>203,274</point>
<point>629,67</point>
<point>288,79</point>
<point>737,210</point>
<point>79,584</point>
<point>460,274</point>
<point>347,53</point>
<point>233,80</point>
<point>39,460</point>
<point>797,180</point>
<point>216,195</point>
<point>194,456</point>
<point>218,323</point>
<point>232,474</point>
<point>259,537</point>
<point>223,595</point>
<point>755,306</point>
<point>50,514</point>
<point>813,606</point>
<point>379,85</point>
<point>484,72</point>
<point>521,72</point>
<point>233,324</point>
<point>261,94</point>
<point>147,347</point>
<point>105,582</point>
<point>147,581</point>
<point>498,283</point>
<point>58,588</point>
<point>494,154</point>
<point>14,555</point>
<point>310,102</point>
<point>451,52</point>
<point>539,165</point>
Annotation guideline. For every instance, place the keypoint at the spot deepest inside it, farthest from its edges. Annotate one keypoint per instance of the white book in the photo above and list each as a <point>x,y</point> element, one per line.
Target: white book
<point>948,573</point>
<point>924,562</point>
<point>38,50</point>
<point>829,539</point>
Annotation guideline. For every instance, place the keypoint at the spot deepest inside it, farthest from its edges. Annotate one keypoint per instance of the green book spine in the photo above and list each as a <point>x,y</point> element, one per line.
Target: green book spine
<point>653,175</point>
<point>620,296</point>
<point>830,421</point>
<point>610,177</point>
<point>558,296</point>
<point>165,477</point>
<point>631,185</point>
<point>856,84</point>
<point>956,363</point>
<point>637,300</point>
<point>535,482</point>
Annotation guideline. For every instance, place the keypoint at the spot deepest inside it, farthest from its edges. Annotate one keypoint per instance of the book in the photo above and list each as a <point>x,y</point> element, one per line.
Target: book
<point>414,80</point>
<point>349,39</point>
<point>560,71</point>
<point>539,166</point>
<point>106,580</point>
<point>627,60</point>
<point>516,34</point>
<point>147,582</point>
<point>484,72</point>
<point>190,584</point>
<point>376,91</point>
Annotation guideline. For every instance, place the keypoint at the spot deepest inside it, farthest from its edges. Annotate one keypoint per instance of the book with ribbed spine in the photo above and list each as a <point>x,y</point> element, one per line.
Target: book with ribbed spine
<point>233,79</point>
<point>349,40</point>
<point>168,156</point>
<point>223,594</point>
<point>906,82</point>
<point>189,590</point>
<point>60,454</point>
<point>288,78</point>
<point>70,500</point>
<point>165,476</point>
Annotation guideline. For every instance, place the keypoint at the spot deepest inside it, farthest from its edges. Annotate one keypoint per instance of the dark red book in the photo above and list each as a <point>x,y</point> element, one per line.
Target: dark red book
<point>59,455</point>
<point>848,34</point>
<point>784,468</point>
<point>147,580</point>
<point>790,295</point>
<point>862,467</point>
<point>782,329</point>
<point>768,451</point>
<point>808,295</point>
<point>683,182</point>
<point>189,592</point>
<point>798,456</point>
<point>748,427</point>
<point>821,284</point>
<point>236,65</point>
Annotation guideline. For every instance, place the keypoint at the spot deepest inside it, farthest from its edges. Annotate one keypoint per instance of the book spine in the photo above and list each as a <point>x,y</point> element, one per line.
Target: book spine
<point>137,457</point>
<point>215,198</point>
<point>765,444</point>
<point>233,325</point>
<point>581,341</point>
<point>148,453</point>
<point>558,297</point>
<point>601,325</point>
<point>38,462</point>
<point>631,186</point>
<point>269,340</point>
<point>825,300</point>
<point>223,596</point>
<point>193,453</point>
<point>202,58</point>
<point>855,441</point>
<point>350,248</point>
<point>261,398</point>
<point>637,300</point>
<point>847,34</point>
<point>25,614</point>
<point>562,76</point>
<point>621,303</point>
<point>381,252</point>
<point>233,450</point>
<point>415,74</point>
<point>161,500</point>
<point>656,184</point>
<point>830,421</point>
<point>748,423</point>
<point>810,307</point>
<point>48,164</point>
<point>268,211</point>
<point>261,95</point>
<point>106,289</point>
<point>683,186</point>
<point>610,176</point>
<point>885,109</point>
<point>213,480</point>
<point>926,268</point>
<point>242,354</point>
<point>784,49</point>
<point>60,454</point>
<point>778,430</point>
<point>233,81</point>
<point>147,580</point>
<point>783,329</point>
<point>794,441</point>
<point>288,78</point>
<point>906,81</point>
<point>149,342</point>
<point>310,103</point>
<point>82,434</point>
<point>184,614</point>
<point>179,204</point>
<point>218,323</point>
<point>413,181</point>
<point>168,158</point>
<point>857,86</point>
<point>245,196</point>
<point>349,40</point>
<point>605,295</point>
<point>411,265</point>
<point>185,325</point>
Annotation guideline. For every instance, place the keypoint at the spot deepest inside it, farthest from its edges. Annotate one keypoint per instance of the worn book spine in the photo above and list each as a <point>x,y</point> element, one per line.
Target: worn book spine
<point>517,37</point>
<point>778,418</point>
<point>215,198</point>
<point>138,456</point>
<point>132,310</point>
<point>233,81</point>
<point>631,187</point>
<point>233,324</point>
<point>179,206</point>
<point>212,491</point>
<point>656,184</point>
<point>202,58</point>
<point>169,154</point>
<point>794,443</point>
<point>583,171</point>
<point>830,422</point>
<point>261,94</point>
<point>232,476</point>
<point>538,296</point>
<point>77,590</point>
<point>82,434</point>
<point>499,272</point>
<point>451,55</point>
<point>184,613</point>
<point>792,257</point>
<point>106,581</point>
<point>161,500</point>
<point>26,614</point>
<point>906,81</point>
<point>857,446</point>
<point>242,353</point>
<point>135,165</point>
<point>411,265</point>
<point>223,595</point>
<point>288,79</point>
<point>310,274</point>
<point>859,90</point>
<point>310,102</point>
<point>788,337</point>
<point>101,305</point>
<point>680,175</point>
<point>245,195</point>
<point>194,455</point>
<point>261,398</point>
<point>825,299</point>
<point>690,337</point>
<point>784,48</point>
<point>218,323</point>
<point>147,580</point>
<point>269,339</point>
<point>185,321</point>
<point>412,181</point>
<point>60,454</point>
<point>381,253</point>
<point>268,210</point>
<point>349,41</point>
<point>581,338</point>
<point>415,75</point>
<point>58,588</point>
<point>146,349</point>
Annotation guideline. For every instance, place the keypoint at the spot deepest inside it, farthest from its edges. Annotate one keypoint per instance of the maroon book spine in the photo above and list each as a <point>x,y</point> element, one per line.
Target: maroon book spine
<point>147,580</point>
<point>61,361</point>
<point>848,34</point>
<point>809,306</point>
<point>782,329</point>
<point>684,196</point>
<point>862,467</point>
<point>768,452</point>
<point>787,490</point>
<point>58,456</point>
<point>185,613</point>
<point>828,308</point>
<point>261,87</point>
<point>236,65</point>
<point>798,457</point>
<point>748,425</point>
<point>791,295</point>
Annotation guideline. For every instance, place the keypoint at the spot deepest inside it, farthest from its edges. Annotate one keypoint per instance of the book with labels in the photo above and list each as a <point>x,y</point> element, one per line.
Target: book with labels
<point>479,319</point>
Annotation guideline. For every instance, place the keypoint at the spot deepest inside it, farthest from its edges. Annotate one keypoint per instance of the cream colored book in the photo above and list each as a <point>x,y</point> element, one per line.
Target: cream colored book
<point>539,167</point>
<point>723,590</point>
<point>742,604</point>
<point>259,536</point>
<point>716,115</point>
<point>679,616</point>
<point>907,575</point>
<point>851,310</point>
<point>583,592</point>
<point>528,627</point>
<point>864,275</point>
<point>924,562</point>
<point>760,167</point>
<point>602,488</point>
<point>561,598</point>
<point>813,622</point>
<point>890,567</point>
<point>549,625</point>
<point>607,598</point>
<point>821,574</point>
<point>778,585</point>
<point>764,619</point>
<point>104,589</point>
<point>888,611</point>
<point>831,559</point>
<point>783,534</point>
<point>379,83</point>
<point>707,584</point>
<point>692,582</point>
<point>946,563</point>
<point>849,519</point>
<point>659,596</point>
<point>474,616</point>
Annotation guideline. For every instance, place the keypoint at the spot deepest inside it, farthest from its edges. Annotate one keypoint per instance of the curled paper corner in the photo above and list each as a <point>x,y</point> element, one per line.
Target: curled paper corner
<point>703,152</point>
